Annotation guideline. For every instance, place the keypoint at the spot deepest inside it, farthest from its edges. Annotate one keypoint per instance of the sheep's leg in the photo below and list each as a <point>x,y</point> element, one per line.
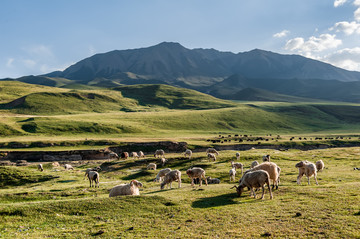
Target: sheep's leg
<point>308,180</point>
<point>268,185</point>
<point>298,179</point>
<point>192,182</point>
<point>170,184</point>
<point>205,180</point>
<point>263,191</point>
<point>253,192</point>
<point>200,181</point>
<point>316,180</point>
<point>179,182</point>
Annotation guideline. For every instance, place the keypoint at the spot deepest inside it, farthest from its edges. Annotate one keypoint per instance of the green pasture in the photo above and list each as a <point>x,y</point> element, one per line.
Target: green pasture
<point>59,203</point>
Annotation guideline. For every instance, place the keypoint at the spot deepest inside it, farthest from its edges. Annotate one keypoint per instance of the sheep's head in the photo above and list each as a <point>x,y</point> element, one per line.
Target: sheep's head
<point>188,172</point>
<point>136,183</point>
<point>300,164</point>
<point>239,190</point>
<point>162,185</point>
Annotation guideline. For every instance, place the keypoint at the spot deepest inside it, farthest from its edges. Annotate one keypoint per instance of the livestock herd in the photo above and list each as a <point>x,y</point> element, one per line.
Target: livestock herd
<point>256,177</point>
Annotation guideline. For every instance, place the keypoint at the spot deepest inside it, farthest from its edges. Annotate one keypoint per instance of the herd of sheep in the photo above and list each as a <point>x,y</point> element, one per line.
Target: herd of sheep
<point>256,177</point>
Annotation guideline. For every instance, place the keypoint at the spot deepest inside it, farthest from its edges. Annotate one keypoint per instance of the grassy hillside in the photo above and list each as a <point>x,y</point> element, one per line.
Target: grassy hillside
<point>171,97</point>
<point>59,203</point>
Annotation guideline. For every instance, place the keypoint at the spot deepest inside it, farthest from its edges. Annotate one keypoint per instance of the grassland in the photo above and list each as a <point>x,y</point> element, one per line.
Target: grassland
<point>58,203</point>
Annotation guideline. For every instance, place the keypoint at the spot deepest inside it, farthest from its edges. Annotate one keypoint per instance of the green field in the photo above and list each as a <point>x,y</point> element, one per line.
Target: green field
<point>59,203</point>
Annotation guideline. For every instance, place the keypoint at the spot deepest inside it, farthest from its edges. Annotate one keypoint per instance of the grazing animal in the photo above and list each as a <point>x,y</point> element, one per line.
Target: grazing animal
<point>211,156</point>
<point>188,153</point>
<point>174,175</point>
<point>93,177</point>
<point>196,173</point>
<point>237,154</point>
<point>212,180</point>
<point>40,167</point>
<point>134,155</point>
<point>162,161</point>
<point>266,158</point>
<point>319,165</point>
<point>237,166</point>
<point>113,155</point>
<point>159,153</point>
<point>306,168</point>
<point>254,179</point>
<point>131,188</point>
<point>161,174</point>
<point>141,154</point>
<point>272,170</point>
<point>232,174</point>
<point>151,166</point>
<point>254,164</point>
<point>68,167</point>
<point>97,169</point>
<point>212,150</point>
<point>124,155</point>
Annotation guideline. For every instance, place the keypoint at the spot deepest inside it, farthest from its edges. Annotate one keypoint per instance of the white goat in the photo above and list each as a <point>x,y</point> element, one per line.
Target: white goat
<point>151,166</point>
<point>188,153</point>
<point>68,167</point>
<point>160,153</point>
<point>308,169</point>
<point>211,156</point>
<point>93,176</point>
<point>232,174</point>
<point>319,165</point>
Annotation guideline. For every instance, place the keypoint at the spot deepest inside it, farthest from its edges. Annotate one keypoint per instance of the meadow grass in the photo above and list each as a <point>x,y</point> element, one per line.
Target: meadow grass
<point>59,203</point>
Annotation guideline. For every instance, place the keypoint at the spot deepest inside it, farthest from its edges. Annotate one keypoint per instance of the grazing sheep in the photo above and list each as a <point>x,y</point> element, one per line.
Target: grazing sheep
<point>212,180</point>
<point>124,155</point>
<point>141,154</point>
<point>254,179</point>
<point>306,168</point>
<point>188,153</point>
<point>272,170</point>
<point>237,166</point>
<point>212,150</point>
<point>237,154</point>
<point>160,153</point>
<point>131,188</point>
<point>68,167</point>
<point>151,166</point>
<point>196,173</point>
<point>55,164</point>
<point>319,165</point>
<point>174,175</point>
<point>161,174</point>
<point>211,156</point>
<point>266,158</point>
<point>232,174</point>
<point>134,155</point>
<point>254,164</point>
<point>93,176</point>
<point>162,161</point>
<point>97,169</point>
<point>113,155</point>
<point>40,167</point>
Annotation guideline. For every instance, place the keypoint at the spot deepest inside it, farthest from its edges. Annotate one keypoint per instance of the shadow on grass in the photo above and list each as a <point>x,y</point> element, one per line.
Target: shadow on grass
<point>137,175</point>
<point>66,181</point>
<point>217,201</point>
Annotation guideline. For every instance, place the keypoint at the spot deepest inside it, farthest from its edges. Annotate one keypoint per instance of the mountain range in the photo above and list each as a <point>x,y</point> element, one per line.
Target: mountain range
<point>222,74</point>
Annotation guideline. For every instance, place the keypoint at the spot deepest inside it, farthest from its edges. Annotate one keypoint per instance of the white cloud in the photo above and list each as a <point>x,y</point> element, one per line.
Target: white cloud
<point>314,44</point>
<point>9,63</point>
<point>357,2</point>
<point>357,14</point>
<point>347,27</point>
<point>338,3</point>
<point>281,34</point>
<point>40,51</point>
<point>29,63</point>
<point>347,58</point>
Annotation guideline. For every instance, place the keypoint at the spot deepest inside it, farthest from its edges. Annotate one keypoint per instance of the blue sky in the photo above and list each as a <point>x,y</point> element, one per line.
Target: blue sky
<point>41,36</point>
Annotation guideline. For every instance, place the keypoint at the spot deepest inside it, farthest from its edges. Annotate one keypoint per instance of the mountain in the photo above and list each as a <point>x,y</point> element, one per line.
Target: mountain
<point>221,74</point>
<point>171,62</point>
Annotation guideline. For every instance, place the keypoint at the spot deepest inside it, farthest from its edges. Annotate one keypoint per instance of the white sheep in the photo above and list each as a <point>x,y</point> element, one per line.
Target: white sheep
<point>196,173</point>
<point>141,154</point>
<point>307,168</point>
<point>212,180</point>
<point>113,155</point>
<point>134,155</point>
<point>212,150</point>
<point>174,175</point>
<point>254,164</point>
<point>93,176</point>
<point>131,188</point>
<point>188,153</point>
<point>151,166</point>
<point>319,165</point>
<point>232,174</point>
<point>237,154</point>
<point>97,169</point>
<point>211,156</point>
<point>237,166</point>
<point>266,158</point>
<point>162,161</point>
<point>68,167</point>
<point>160,153</point>
<point>254,179</point>
<point>40,167</point>
<point>272,170</point>
<point>161,174</point>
